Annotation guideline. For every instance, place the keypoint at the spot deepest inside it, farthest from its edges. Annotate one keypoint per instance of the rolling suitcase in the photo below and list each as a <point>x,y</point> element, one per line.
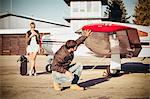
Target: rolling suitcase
<point>23,65</point>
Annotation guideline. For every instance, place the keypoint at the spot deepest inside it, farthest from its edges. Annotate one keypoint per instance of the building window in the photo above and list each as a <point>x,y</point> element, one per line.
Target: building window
<point>89,6</point>
<point>95,7</point>
<point>82,6</point>
<point>75,9</point>
<point>76,6</point>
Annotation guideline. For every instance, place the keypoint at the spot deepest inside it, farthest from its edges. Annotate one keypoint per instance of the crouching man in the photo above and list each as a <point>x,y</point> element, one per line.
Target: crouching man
<point>62,70</point>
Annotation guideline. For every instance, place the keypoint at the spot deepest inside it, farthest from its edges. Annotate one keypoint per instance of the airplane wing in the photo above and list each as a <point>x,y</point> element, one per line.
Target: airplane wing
<point>99,43</point>
<point>105,27</point>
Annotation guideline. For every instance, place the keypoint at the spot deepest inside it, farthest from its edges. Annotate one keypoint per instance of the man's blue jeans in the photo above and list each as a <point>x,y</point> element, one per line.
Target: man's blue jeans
<point>75,69</point>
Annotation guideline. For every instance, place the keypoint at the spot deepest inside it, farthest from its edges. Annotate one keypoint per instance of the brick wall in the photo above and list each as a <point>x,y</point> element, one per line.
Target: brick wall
<point>12,44</point>
<point>0,44</point>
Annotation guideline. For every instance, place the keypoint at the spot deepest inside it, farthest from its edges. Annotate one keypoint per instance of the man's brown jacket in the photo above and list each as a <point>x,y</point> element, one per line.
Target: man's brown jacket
<point>62,58</point>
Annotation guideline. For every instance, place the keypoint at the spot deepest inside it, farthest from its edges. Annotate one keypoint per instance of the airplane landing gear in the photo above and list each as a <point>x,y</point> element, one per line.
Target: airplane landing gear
<point>115,63</point>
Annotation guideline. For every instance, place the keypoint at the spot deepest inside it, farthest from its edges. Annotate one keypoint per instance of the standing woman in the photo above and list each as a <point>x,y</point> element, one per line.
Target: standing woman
<point>33,40</point>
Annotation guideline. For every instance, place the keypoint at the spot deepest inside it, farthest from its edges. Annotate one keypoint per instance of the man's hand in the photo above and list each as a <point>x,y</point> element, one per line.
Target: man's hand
<point>87,33</point>
<point>68,74</point>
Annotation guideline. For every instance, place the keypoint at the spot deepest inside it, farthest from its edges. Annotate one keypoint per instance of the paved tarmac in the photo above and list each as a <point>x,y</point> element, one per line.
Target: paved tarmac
<point>133,84</point>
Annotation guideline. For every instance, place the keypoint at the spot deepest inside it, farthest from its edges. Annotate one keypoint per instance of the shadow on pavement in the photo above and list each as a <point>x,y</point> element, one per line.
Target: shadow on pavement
<point>93,82</point>
<point>97,67</point>
<point>89,83</point>
<point>129,67</point>
<point>135,67</point>
<point>41,73</point>
<point>132,67</point>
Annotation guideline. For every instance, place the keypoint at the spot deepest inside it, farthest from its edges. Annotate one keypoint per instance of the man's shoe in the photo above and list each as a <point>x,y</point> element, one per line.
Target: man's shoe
<point>76,87</point>
<point>57,87</point>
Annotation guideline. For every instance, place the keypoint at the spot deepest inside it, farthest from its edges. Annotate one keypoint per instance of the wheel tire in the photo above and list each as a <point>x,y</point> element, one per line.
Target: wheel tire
<point>48,68</point>
<point>115,74</point>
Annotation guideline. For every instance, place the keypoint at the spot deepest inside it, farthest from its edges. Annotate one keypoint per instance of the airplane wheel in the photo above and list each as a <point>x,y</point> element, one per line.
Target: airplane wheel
<point>48,68</point>
<point>115,72</point>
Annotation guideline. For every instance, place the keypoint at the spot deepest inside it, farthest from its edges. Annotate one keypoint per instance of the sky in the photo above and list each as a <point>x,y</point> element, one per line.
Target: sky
<point>55,10</point>
<point>130,6</point>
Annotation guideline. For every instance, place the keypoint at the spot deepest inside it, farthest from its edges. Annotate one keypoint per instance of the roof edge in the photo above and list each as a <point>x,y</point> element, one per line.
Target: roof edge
<point>3,15</point>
